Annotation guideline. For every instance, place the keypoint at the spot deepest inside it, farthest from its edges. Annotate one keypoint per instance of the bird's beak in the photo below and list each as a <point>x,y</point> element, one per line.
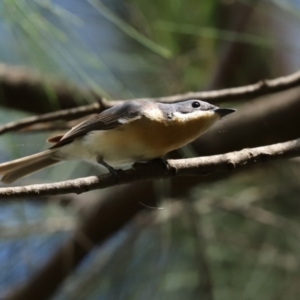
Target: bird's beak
<point>222,112</point>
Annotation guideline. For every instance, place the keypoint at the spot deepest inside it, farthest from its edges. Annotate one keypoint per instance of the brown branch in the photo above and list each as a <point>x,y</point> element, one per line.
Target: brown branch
<point>260,88</point>
<point>110,215</point>
<point>268,120</point>
<point>181,167</point>
<point>49,127</point>
<point>65,114</point>
<point>18,83</point>
<point>258,125</point>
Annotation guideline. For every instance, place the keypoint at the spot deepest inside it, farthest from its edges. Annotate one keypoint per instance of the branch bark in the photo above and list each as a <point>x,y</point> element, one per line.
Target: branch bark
<point>263,87</point>
<point>65,114</point>
<point>111,215</point>
<point>244,130</point>
<point>181,167</point>
<point>250,91</point>
<point>268,120</point>
<point>20,83</point>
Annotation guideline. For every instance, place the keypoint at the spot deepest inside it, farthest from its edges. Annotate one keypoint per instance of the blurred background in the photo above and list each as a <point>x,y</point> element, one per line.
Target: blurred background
<point>227,236</point>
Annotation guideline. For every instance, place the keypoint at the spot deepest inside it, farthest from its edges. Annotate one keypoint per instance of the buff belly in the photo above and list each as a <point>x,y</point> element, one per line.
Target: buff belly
<point>140,140</point>
<point>115,147</point>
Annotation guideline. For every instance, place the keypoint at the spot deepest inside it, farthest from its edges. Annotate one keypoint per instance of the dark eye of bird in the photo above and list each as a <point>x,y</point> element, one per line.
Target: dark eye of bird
<point>195,104</point>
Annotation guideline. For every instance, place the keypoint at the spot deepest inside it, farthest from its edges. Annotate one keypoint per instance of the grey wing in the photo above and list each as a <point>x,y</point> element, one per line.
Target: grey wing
<point>108,119</point>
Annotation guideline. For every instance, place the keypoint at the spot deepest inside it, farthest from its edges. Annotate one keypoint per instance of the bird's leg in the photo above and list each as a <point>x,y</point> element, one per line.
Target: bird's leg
<point>157,160</point>
<point>111,170</point>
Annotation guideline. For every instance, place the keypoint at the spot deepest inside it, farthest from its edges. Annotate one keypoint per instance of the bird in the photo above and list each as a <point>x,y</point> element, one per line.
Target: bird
<point>130,132</point>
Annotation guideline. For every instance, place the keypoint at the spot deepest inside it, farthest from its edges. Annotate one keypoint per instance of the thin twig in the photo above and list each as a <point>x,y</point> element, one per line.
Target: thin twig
<point>112,213</point>
<point>263,87</point>
<point>65,114</point>
<point>260,88</point>
<point>181,167</point>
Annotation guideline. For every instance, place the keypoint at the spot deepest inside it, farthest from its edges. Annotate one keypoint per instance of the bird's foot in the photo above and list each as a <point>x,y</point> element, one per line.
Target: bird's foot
<point>114,172</point>
<point>161,160</point>
<point>156,161</point>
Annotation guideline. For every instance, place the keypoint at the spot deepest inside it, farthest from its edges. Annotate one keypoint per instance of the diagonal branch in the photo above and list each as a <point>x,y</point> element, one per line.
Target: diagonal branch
<point>16,82</point>
<point>263,87</point>
<point>181,167</point>
<point>64,114</point>
<point>112,214</point>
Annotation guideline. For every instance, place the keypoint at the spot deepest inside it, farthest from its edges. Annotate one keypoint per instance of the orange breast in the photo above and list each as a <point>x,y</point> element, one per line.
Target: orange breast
<point>161,138</point>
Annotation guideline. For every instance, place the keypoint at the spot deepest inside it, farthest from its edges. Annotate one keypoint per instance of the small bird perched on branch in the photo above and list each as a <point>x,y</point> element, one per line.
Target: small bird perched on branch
<point>134,131</point>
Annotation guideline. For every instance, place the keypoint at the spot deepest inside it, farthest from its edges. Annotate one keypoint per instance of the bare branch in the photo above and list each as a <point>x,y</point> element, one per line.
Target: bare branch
<point>114,212</point>
<point>260,88</point>
<point>181,167</point>
<point>34,86</point>
<point>65,114</point>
